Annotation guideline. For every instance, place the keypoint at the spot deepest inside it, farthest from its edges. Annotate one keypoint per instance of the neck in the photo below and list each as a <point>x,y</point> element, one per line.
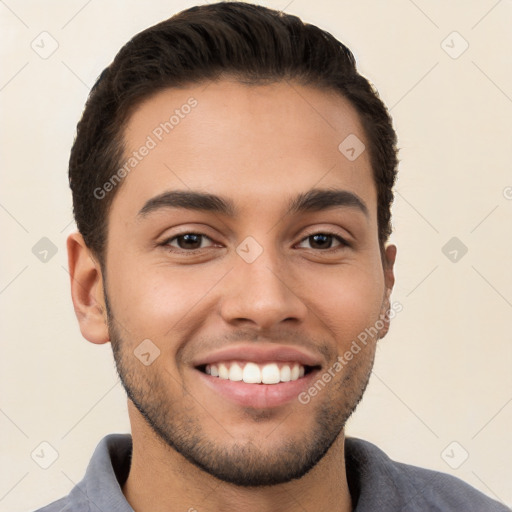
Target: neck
<point>162,480</point>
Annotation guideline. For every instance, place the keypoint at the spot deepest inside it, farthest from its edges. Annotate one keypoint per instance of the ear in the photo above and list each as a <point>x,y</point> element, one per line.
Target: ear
<point>87,290</point>
<point>389,281</point>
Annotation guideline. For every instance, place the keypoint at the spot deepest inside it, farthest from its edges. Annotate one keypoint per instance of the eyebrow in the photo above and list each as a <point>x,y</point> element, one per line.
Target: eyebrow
<point>313,200</point>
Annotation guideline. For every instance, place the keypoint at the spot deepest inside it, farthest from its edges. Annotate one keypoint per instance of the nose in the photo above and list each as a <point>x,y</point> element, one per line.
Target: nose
<point>262,293</point>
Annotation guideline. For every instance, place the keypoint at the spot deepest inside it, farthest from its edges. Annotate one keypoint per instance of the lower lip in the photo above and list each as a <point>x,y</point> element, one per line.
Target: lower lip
<point>259,396</point>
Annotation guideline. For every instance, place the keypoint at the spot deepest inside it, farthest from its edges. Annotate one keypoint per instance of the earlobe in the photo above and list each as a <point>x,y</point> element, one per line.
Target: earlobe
<point>87,290</point>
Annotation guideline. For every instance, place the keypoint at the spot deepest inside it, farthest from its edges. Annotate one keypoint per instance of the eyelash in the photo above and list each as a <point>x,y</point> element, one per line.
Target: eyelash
<point>343,242</point>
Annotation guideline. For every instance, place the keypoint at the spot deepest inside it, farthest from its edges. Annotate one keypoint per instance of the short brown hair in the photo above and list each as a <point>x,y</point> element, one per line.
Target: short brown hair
<point>251,43</point>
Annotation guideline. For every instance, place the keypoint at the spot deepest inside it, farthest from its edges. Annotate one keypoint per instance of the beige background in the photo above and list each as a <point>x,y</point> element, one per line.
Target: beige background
<point>442,375</point>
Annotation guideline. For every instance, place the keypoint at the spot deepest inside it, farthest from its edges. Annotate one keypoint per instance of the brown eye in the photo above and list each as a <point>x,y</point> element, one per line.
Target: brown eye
<point>187,241</point>
<point>323,241</point>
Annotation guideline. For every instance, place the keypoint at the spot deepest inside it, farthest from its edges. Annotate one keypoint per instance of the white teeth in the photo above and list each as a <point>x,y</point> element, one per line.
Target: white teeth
<point>235,372</point>
<point>270,374</point>
<point>286,373</point>
<point>223,371</point>
<point>252,373</point>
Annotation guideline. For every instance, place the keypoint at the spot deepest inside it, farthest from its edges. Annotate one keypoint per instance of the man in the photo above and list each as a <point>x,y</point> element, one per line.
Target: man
<point>232,180</point>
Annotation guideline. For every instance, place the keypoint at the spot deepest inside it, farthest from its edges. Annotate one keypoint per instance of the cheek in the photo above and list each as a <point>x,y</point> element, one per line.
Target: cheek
<point>156,301</point>
<point>348,302</point>
<point>150,302</point>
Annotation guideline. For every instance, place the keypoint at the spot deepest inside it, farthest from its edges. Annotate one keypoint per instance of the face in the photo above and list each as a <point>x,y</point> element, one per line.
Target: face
<point>272,279</point>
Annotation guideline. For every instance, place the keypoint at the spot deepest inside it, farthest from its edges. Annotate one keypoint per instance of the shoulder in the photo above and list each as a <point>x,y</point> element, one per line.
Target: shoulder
<point>100,489</point>
<point>380,482</point>
<point>61,505</point>
<point>77,500</point>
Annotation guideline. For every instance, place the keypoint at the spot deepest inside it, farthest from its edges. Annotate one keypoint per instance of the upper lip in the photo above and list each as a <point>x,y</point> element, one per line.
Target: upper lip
<point>260,354</point>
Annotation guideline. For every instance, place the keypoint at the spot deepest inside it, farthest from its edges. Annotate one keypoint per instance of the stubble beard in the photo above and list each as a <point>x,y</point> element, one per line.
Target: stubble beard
<point>176,421</point>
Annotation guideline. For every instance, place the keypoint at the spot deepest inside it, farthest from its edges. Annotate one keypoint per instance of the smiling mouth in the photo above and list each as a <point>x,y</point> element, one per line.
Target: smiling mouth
<point>257,373</point>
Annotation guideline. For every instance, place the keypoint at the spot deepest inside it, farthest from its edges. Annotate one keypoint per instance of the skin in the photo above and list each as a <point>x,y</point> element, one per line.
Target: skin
<point>258,146</point>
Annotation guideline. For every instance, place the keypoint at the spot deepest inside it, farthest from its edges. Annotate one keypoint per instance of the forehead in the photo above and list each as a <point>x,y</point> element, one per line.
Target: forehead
<point>258,144</point>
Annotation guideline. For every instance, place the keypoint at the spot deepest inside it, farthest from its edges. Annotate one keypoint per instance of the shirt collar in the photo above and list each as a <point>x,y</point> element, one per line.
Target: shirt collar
<point>368,475</point>
<point>101,487</point>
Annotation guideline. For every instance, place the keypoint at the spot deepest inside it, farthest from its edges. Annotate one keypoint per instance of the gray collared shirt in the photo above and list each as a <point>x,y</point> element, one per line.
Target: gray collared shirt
<point>377,484</point>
